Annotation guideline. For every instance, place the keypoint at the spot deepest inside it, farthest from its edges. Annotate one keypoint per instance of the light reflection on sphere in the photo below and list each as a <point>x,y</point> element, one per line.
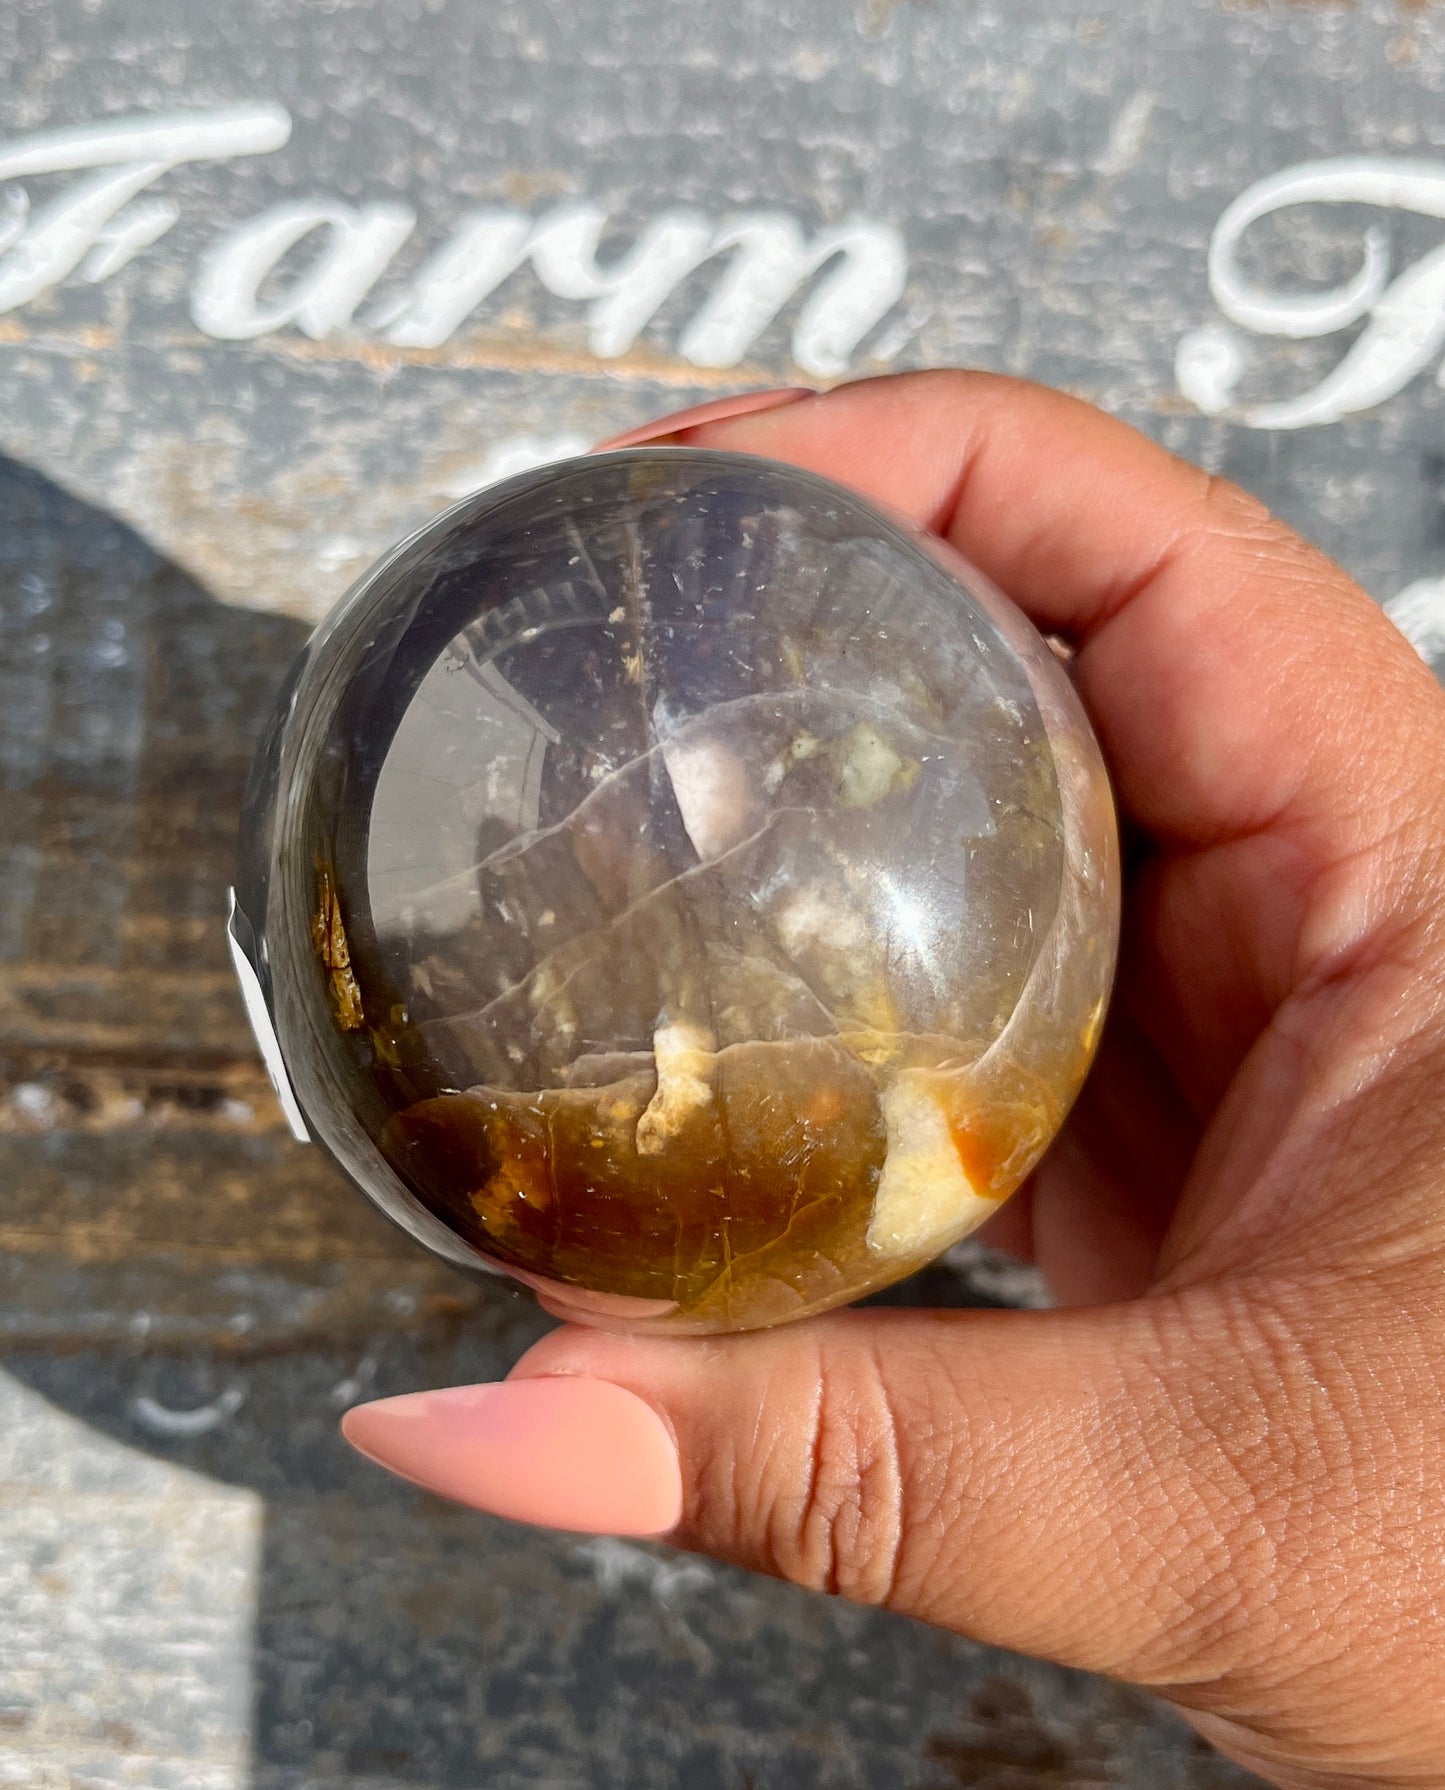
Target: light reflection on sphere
<point>683,886</point>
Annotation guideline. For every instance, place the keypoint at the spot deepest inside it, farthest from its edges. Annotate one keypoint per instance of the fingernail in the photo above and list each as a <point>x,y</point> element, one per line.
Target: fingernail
<point>561,1452</point>
<point>716,410</point>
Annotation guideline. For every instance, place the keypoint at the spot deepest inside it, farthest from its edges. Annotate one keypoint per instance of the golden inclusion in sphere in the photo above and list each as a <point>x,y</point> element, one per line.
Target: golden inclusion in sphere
<point>681,885</point>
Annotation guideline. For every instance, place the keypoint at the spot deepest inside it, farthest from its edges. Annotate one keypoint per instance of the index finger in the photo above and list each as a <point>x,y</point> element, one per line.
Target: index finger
<point>1242,685</point>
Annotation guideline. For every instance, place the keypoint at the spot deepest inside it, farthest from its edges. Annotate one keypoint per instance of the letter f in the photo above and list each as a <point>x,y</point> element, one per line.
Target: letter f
<point>132,152</point>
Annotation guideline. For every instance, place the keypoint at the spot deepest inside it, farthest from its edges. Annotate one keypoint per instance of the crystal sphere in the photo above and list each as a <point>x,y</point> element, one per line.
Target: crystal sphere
<point>673,881</point>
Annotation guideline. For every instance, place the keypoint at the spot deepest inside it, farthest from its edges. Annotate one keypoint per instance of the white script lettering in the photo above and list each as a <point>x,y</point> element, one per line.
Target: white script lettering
<point>771,260</point>
<point>489,246</point>
<point>86,222</point>
<point>362,240</point>
<point>850,275</point>
<point>1405,331</point>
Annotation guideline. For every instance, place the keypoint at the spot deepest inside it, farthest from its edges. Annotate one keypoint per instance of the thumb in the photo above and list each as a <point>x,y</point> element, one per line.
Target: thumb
<point>1025,1478</point>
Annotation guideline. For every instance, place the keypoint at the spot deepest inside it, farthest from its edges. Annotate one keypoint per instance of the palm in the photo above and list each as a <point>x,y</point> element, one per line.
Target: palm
<point>1127,1194</point>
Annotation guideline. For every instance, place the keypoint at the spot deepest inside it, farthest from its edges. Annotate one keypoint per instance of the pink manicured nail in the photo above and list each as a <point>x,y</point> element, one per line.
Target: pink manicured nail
<point>717,410</point>
<point>564,1453</point>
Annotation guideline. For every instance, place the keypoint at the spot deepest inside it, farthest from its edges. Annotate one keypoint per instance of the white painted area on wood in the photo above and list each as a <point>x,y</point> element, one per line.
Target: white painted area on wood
<point>360,241</point>
<point>134,152</point>
<point>857,269</point>
<point>128,1587</point>
<point>196,1420</point>
<point>1404,319</point>
<point>1127,135</point>
<point>513,454</point>
<point>1419,613</point>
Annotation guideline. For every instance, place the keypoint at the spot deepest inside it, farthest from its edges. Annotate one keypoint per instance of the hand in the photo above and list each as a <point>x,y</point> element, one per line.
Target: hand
<point>1219,1470</point>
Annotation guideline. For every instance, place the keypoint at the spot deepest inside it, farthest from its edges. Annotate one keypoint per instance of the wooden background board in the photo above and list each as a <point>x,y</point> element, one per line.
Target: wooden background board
<point>198,1585</point>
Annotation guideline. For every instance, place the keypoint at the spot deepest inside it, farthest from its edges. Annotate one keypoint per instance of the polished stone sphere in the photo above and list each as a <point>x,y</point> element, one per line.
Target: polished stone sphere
<point>673,881</point>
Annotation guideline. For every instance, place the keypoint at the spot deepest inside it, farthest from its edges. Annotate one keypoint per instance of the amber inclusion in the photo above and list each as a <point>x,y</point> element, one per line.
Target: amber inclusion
<point>682,886</point>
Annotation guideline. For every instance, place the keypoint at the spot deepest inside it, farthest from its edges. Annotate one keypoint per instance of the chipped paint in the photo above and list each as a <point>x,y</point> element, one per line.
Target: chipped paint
<point>616,1564</point>
<point>199,1420</point>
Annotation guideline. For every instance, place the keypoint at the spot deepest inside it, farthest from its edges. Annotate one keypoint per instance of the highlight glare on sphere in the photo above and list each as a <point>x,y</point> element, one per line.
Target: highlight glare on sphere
<point>678,884</point>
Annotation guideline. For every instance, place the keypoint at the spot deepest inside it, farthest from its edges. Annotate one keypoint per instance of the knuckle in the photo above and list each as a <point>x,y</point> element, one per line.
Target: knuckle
<point>1230,506</point>
<point>840,1526</point>
<point>1232,515</point>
